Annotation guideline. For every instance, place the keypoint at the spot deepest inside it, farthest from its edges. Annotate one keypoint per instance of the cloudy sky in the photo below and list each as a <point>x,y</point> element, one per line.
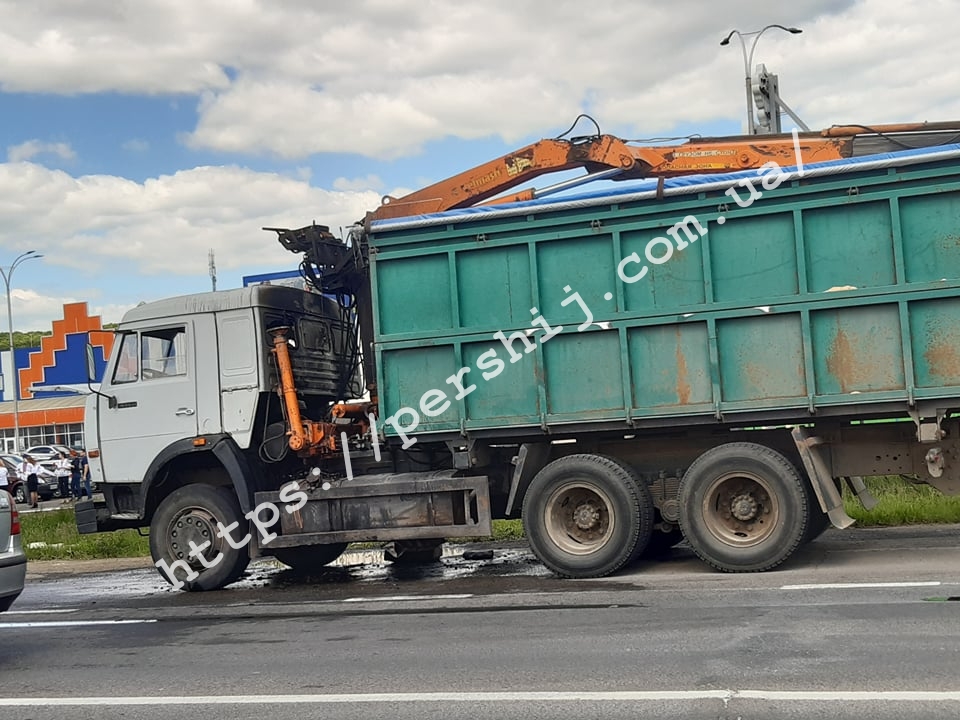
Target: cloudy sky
<point>140,134</point>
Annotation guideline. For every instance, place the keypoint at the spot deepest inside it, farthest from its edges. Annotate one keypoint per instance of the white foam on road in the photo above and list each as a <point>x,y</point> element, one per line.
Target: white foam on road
<point>67,623</point>
<point>851,586</point>
<point>397,598</point>
<point>501,697</point>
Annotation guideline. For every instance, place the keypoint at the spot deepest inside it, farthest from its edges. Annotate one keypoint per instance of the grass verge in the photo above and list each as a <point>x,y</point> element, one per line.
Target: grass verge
<point>57,531</point>
<point>900,503</point>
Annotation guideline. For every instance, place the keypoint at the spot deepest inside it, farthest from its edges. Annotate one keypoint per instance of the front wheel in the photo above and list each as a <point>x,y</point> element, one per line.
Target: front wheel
<point>20,494</point>
<point>743,507</point>
<point>191,515</point>
<point>587,515</point>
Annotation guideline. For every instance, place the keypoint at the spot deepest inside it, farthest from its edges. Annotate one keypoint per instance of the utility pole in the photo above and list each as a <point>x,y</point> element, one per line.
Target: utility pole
<point>213,271</point>
<point>7,279</point>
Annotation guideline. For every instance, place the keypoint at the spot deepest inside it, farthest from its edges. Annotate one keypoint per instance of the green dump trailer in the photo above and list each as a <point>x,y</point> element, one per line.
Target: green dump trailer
<point>708,358</point>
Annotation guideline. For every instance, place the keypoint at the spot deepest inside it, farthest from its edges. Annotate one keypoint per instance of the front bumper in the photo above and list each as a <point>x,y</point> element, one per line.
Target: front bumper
<point>94,516</point>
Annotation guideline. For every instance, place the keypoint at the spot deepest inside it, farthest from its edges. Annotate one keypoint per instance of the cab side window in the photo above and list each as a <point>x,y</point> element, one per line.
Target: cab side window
<point>163,353</point>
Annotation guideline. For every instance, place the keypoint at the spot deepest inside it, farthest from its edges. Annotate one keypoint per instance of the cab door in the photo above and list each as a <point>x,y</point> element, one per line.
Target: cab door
<point>153,385</point>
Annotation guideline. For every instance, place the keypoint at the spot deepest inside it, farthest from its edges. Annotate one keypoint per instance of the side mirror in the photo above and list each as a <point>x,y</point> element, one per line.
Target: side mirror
<point>91,364</point>
<point>92,375</point>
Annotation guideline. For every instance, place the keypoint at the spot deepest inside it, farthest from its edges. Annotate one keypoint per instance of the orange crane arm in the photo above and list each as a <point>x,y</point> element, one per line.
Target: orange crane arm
<point>494,177</point>
<point>606,152</point>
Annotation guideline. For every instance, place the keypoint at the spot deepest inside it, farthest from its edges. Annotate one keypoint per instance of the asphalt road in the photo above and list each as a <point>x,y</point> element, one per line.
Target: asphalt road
<point>860,624</point>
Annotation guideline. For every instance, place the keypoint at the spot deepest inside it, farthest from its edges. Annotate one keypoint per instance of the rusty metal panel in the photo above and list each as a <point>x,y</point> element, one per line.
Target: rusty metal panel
<point>935,332</point>
<point>386,507</point>
<point>671,365</point>
<point>858,349</point>
<point>761,358</point>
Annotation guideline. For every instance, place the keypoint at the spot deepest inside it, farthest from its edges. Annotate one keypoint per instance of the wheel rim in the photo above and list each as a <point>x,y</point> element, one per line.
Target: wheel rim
<point>741,509</point>
<point>195,524</point>
<point>578,517</point>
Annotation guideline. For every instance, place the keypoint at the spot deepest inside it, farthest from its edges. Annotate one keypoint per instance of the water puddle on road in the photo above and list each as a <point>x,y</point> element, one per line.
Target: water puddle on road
<point>366,567</point>
<point>371,566</point>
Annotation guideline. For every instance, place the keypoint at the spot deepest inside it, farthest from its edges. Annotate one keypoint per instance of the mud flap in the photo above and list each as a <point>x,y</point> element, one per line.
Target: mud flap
<point>821,479</point>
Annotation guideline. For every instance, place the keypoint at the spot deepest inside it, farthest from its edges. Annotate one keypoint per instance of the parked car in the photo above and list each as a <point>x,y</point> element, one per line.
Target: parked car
<point>13,561</point>
<point>42,453</point>
<point>47,487</point>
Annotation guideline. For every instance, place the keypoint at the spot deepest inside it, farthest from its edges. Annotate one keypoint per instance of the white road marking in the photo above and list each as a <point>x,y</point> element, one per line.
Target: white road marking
<point>848,586</point>
<point>67,623</point>
<point>393,598</point>
<point>852,695</point>
<point>39,612</point>
<point>483,697</point>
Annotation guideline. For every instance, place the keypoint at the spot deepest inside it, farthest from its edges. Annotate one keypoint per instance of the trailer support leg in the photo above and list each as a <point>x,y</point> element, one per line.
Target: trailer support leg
<point>865,497</point>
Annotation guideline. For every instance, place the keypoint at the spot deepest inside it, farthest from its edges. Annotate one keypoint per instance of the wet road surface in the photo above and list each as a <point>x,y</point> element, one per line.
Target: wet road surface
<point>855,617</point>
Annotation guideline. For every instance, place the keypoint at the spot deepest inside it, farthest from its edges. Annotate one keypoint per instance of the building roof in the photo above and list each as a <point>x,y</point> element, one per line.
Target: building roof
<point>53,403</point>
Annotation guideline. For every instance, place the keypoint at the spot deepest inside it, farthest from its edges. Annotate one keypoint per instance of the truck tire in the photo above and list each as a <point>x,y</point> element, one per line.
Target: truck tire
<point>192,513</point>
<point>743,507</point>
<point>309,558</point>
<point>587,515</point>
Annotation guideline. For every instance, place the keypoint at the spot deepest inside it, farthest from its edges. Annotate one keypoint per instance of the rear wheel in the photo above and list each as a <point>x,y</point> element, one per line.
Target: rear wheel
<point>191,515</point>
<point>310,558</point>
<point>743,507</point>
<point>20,493</point>
<point>587,515</point>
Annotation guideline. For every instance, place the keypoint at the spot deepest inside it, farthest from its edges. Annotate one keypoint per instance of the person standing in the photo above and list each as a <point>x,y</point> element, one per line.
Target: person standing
<point>85,475</point>
<point>62,471</point>
<point>30,472</point>
<point>75,473</point>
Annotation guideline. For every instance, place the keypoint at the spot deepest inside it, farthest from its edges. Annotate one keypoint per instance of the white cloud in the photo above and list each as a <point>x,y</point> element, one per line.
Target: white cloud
<point>382,78</point>
<point>34,307</point>
<point>370,182</point>
<point>109,313</point>
<point>165,225</point>
<point>31,148</point>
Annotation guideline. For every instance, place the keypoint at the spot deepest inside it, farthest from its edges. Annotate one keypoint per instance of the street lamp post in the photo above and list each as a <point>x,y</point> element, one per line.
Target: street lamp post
<point>748,63</point>
<point>7,279</point>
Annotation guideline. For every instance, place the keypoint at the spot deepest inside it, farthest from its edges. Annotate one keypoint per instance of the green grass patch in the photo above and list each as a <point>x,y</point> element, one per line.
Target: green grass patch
<point>58,531</point>
<point>902,503</point>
